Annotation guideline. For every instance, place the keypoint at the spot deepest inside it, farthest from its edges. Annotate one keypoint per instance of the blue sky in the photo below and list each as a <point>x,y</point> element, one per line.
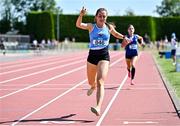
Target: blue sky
<point>114,7</point>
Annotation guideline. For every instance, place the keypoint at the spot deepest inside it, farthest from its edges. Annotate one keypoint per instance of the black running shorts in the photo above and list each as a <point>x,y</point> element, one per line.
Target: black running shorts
<point>97,55</point>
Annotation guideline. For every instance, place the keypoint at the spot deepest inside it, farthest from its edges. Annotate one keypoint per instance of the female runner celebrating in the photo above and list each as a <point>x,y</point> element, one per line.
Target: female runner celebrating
<point>98,58</point>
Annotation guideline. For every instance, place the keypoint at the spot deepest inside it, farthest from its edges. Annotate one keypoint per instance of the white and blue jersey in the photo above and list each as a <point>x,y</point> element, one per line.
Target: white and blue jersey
<point>132,47</point>
<point>99,38</point>
<point>99,42</point>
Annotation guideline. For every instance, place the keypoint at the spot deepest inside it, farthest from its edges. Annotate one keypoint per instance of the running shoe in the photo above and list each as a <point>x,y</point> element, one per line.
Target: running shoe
<point>132,82</point>
<point>90,91</point>
<point>95,111</point>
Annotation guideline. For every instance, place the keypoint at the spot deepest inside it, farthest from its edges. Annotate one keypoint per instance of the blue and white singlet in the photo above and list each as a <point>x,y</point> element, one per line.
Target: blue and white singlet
<point>132,47</point>
<point>99,38</point>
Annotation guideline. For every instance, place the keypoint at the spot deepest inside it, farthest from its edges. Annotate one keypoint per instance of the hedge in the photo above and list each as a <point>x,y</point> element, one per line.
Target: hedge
<point>40,25</point>
<point>43,25</point>
<point>68,28</point>
<point>156,28</point>
<point>142,24</point>
<point>166,26</point>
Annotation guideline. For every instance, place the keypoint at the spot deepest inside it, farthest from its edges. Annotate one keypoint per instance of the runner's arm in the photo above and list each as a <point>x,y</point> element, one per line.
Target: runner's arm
<point>80,24</point>
<point>115,33</point>
<point>141,40</point>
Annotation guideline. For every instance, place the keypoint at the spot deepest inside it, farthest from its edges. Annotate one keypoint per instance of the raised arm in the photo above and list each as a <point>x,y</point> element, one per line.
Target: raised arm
<point>80,24</point>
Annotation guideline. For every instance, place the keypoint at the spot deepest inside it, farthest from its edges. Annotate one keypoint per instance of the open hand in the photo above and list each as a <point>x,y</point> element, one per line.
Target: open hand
<point>83,11</point>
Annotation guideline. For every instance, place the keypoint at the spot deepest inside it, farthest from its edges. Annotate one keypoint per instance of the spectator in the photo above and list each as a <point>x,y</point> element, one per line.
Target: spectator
<point>173,47</point>
<point>2,47</point>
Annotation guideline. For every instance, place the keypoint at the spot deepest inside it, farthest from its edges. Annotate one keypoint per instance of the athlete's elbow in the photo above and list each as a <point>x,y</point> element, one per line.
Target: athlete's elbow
<point>77,25</point>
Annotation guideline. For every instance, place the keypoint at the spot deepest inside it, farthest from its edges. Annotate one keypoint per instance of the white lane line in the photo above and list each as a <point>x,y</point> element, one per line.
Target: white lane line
<point>53,68</point>
<point>6,64</point>
<point>5,81</point>
<point>57,88</point>
<point>15,64</point>
<point>55,77</point>
<point>111,102</point>
<point>54,84</point>
<point>44,89</point>
<point>113,99</point>
<point>48,103</point>
<point>45,61</point>
<point>139,122</point>
<point>41,65</point>
<point>4,96</point>
<point>38,109</point>
<point>112,64</point>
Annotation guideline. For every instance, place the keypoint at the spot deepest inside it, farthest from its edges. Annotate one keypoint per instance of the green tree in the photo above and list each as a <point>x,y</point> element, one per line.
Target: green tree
<point>15,11</point>
<point>7,16</point>
<point>169,8</point>
<point>6,10</point>
<point>129,12</point>
<point>18,9</point>
<point>22,7</point>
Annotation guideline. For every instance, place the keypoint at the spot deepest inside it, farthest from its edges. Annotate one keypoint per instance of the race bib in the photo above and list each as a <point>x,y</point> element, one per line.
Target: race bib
<point>133,46</point>
<point>98,43</point>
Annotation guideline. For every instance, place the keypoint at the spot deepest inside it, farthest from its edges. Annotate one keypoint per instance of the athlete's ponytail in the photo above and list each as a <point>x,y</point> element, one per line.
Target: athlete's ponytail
<point>108,25</point>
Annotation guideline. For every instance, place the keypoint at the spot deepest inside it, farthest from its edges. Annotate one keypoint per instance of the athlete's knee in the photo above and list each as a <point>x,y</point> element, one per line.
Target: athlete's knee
<point>100,81</point>
<point>92,83</point>
<point>133,67</point>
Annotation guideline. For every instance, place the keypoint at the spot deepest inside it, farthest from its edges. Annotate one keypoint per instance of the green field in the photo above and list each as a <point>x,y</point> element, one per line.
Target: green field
<point>169,72</point>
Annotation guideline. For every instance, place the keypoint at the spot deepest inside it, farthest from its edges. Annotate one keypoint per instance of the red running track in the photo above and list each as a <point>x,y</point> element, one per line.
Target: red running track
<point>51,90</point>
